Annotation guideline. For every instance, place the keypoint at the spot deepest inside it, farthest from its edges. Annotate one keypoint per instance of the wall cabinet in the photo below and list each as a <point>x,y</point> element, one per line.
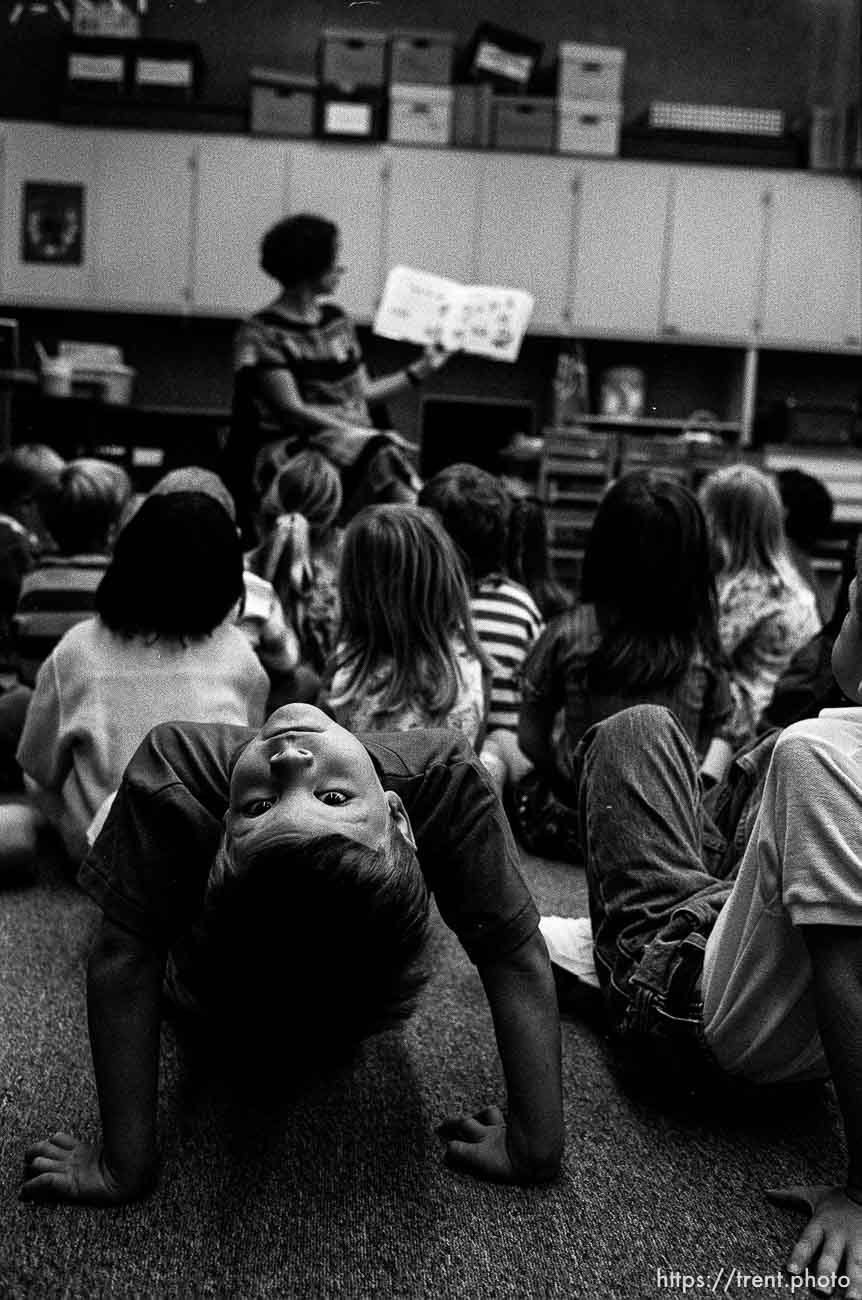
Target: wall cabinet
<point>241,191</point>
<point>813,280</point>
<point>345,184</point>
<point>142,220</point>
<point>633,251</point>
<point>525,231</point>
<point>31,155</point>
<point>431,205</point>
<point>714,254</point>
<point>621,217</point>
<point>135,202</point>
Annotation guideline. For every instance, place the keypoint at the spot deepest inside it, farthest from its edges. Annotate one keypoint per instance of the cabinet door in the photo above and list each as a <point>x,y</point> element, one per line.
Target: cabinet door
<point>525,232</point>
<point>47,219</point>
<point>345,184</point>
<point>446,184</point>
<point>143,219</point>
<point>814,262</point>
<point>715,253</point>
<point>241,188</point>
<point>620,225</point>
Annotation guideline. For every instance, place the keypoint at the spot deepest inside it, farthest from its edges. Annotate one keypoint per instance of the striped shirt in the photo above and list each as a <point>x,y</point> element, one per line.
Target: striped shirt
<point>507,622</point>
<point>58,593</point>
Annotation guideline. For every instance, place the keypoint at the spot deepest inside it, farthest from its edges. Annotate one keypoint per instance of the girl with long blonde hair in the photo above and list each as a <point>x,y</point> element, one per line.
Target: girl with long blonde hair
<point>408,655</point>
<point>765,610</point>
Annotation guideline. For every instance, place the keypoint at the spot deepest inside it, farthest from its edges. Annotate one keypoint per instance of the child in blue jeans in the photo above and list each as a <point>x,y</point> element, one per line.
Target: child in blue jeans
<point>730,936</point>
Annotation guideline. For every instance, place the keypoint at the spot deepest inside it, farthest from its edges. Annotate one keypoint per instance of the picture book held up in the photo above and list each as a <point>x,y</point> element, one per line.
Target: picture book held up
<point>427,309</point>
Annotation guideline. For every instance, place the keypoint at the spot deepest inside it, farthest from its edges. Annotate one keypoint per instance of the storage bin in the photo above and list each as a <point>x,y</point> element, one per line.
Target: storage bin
<point>590,71</point>
<point>352,58</point>
<point>589,126</point>
<point>420,114</point>
<point>471,116</point>
<point>96,68</point>
<point>350,115</point>
<point>421,58</point>
<point>524,123</point>
<point>505,58</point>
<point>166,71</point>
<point>281,103</point>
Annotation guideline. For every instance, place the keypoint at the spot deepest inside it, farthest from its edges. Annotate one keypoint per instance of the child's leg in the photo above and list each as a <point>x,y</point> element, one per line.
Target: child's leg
<point>504,759</point>
<point>802,866</point>
<point>644,838</point>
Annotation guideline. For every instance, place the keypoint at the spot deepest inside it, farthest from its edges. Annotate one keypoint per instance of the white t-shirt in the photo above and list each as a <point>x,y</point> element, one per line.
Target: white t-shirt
<point>98,694</point>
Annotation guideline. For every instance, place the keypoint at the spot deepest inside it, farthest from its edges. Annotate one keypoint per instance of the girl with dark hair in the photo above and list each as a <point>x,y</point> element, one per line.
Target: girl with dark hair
<point>408,654</point>
<point>644,631</point>
<point>162,646</point>
<point>300,377</point>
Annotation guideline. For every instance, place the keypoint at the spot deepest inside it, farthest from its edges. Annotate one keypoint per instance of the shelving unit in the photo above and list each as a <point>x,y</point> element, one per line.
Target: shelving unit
<point>577,465</point>
<point>574,472</point>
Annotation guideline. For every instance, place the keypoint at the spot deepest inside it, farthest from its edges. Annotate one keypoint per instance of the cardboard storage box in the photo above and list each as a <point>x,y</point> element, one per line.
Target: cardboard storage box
<point>524,123</point>
<point>505,58</point>
<point>166,71</point>
<point>350,115</point>
<point>591,127</point>
<point>352,58</point>
<point>590,71</point>
<point>96,68</point>
<point>471,116</point>
<point>420,114</point>
<point>421,58</point>
<point>281,103</point>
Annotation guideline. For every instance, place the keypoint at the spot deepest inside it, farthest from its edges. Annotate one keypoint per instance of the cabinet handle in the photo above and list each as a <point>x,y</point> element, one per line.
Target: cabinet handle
<point>670,329</point>
<point>852,341</point>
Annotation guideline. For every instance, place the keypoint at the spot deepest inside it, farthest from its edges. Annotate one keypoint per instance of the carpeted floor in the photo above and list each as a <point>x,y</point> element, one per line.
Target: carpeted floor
<point>342,1195</point>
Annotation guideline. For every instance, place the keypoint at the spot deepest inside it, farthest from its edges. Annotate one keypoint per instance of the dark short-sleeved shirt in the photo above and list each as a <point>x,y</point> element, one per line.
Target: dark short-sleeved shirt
<point>323,357</point>
<point>555,676</point>
<point>149,867</point>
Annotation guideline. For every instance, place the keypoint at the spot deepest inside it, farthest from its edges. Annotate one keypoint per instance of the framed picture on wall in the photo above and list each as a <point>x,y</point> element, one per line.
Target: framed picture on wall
<point>52,223</point>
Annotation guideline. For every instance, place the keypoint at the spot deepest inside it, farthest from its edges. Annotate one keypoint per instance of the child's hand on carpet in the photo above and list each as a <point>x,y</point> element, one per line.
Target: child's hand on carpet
<point>476,1144</point>
<point>62,1169</point>
<point>832,1242</point>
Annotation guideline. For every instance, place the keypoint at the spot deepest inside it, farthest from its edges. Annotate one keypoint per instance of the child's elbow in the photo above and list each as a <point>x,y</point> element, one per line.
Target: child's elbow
<point>119,957</point>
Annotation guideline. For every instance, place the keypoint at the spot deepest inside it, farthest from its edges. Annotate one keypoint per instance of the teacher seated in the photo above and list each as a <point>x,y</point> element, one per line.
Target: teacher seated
<point>300,380</point>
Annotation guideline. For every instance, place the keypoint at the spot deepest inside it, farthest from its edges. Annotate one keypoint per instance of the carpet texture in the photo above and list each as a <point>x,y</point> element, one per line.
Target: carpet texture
<point>341,1193</point>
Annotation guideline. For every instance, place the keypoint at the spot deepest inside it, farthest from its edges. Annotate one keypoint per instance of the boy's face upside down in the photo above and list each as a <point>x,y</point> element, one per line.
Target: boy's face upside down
<point>303,775</point>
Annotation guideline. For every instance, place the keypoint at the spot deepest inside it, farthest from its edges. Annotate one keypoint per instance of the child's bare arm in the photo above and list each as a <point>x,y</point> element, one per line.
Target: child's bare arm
<point>527,1148</point>
<point>124,980</point>
<point>832,1241</point>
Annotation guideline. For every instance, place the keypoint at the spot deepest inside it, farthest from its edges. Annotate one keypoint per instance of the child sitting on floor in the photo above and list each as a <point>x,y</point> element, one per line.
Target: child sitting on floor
<point>24,472</point>
<point>221,843</point>
<point>299,551</point>
<point>260,616</point>
<point>162,645</point>
<point>808,684</point>
<point>728,936</point>
<point>645,630</point>
<point>81,509</point>
<point>408,655</point>
<point>476,511</point>
<point>765,610</point>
